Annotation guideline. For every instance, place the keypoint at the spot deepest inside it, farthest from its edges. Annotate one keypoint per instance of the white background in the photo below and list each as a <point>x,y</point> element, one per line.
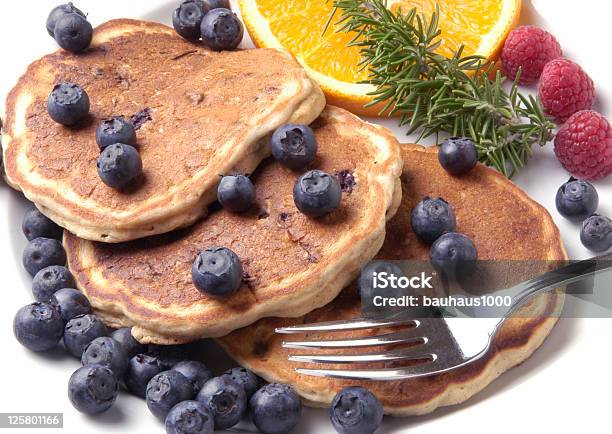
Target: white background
<point>564,387</point>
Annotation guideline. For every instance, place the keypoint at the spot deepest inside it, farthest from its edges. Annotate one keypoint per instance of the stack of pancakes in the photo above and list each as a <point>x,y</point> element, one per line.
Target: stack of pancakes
<point>201,114</point>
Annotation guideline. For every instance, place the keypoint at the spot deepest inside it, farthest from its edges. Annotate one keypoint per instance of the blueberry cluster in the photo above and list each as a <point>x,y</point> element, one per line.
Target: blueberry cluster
<point>315,193</point>
<point>190,400</point>
<point>433,221</point>
<point>69,27</point>
<point>210,21</point>
<point>119,163</point>
<point>577,200</point>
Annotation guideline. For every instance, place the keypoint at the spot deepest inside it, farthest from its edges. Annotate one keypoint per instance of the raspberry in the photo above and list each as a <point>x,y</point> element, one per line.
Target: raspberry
<point>565,89</point>
<point>528,48</point>
<point>583,145</point>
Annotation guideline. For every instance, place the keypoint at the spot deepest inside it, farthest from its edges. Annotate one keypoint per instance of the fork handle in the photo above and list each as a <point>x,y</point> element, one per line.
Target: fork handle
<point>565,275</point>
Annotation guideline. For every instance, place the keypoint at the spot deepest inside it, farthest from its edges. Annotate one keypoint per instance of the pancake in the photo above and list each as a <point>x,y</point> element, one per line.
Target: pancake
<point>503,222</point>
<point>200,114</point>
<point>293,264</point>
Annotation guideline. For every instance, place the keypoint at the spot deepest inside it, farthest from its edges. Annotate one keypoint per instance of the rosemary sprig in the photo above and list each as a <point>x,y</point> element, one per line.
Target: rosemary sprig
<point>433,94</point>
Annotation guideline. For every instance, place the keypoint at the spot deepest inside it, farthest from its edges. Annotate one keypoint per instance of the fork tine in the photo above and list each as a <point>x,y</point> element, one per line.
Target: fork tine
<point>403,337</point>
<point>354,324</point>
<point>413,353</point>
<point>421,370</point>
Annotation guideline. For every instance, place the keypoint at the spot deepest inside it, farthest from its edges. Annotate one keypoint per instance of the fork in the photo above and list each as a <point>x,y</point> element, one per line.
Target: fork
<point>438,345</point>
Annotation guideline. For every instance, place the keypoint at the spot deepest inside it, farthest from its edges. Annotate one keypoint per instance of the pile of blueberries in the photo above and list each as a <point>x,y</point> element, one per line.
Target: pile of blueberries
<point>577,200</point>
<point>218,271</point>
<point>181,392</point>
<point>210,21</point>
<point>69,27</point>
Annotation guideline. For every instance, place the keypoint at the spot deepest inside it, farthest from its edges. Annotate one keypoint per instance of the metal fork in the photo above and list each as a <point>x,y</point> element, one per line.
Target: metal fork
<point>438,344</point>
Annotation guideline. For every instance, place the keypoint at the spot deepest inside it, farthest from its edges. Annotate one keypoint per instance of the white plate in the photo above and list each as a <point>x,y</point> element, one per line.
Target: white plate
<point>558,384</point>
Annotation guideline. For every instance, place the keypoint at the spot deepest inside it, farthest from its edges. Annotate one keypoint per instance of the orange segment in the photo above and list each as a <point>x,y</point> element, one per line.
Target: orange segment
<point>467,22</point>
<point>297,25</point>
<point>299,28</point>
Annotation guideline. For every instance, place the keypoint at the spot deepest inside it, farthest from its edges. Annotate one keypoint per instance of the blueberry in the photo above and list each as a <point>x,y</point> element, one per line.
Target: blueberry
<point>187,19</point>
<point>107,352</point>
<point>576,199</point>
<point>596,233</point>
<point>316,193</point>
<point>431,218</point>
<point>189,417</point>
<point>226,400</point>
<point>169,355</point>
<point>453,253</point>
<point>115,130</point>
<point>221,30</point>
<point>118,165</point>
<point>141,368</point>
<point>236,193</point>
<point>80,331</point>
<point>92,389</point>
<point>355,410</point>
<point>458,155</point>
<point>130,345</point>
<point>275,409</point>
<point>58,12</point>
<point>49,280</point>
<point>68,104</point>
<point>294,146</point>
<point>215,4</point>
<point>41,253</point>
<point>217,271</point>
<point>70,303</point>
<point>35,225</point>
<point>196,372</point>
<point>73,33</point>
<point>165,390</point>
<point>38,326</point>
<point>244,377</point>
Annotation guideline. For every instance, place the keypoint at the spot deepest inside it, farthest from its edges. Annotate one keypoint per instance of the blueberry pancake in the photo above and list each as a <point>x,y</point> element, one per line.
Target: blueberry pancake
<point>198,114</point>
<point>291,263</point>
<point>503,222</point>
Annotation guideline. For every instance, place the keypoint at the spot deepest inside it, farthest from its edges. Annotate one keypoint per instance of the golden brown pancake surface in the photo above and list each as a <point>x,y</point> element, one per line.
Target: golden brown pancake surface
<point>504,224</point>
<point>292,263</point>
<point>200,114</point>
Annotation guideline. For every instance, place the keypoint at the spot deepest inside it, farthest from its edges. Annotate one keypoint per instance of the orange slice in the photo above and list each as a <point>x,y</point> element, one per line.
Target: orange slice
<point>297,25</point>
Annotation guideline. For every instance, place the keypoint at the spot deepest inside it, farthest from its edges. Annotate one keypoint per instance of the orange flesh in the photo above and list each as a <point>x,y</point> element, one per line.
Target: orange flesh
<point>299,24</point>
